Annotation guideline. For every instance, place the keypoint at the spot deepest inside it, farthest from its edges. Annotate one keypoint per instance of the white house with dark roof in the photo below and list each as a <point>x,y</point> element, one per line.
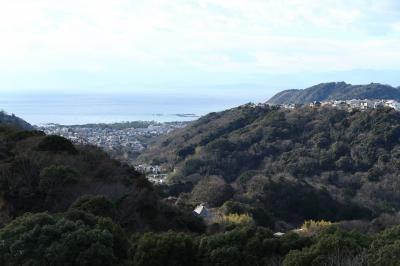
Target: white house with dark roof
<point>202,211</point>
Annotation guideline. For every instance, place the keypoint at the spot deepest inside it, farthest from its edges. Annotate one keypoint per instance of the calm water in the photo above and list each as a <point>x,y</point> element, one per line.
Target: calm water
<point>106,108</point>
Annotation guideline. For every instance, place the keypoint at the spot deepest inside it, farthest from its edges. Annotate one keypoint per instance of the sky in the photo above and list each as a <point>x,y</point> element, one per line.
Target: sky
<point>188,46</point>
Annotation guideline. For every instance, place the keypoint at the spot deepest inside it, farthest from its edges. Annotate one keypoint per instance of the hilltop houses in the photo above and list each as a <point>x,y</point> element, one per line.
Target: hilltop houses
<point>349,105</point>
<point>392,104</point>
<point>315,104</point>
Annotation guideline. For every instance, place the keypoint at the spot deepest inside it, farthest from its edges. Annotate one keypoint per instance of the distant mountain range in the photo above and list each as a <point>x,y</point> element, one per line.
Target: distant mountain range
<point>336,91</point>
<point>14,121</point>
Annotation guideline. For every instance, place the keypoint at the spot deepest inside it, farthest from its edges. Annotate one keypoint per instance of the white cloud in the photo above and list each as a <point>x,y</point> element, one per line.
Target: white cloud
<point>281,36</point>
<point>396,26</point>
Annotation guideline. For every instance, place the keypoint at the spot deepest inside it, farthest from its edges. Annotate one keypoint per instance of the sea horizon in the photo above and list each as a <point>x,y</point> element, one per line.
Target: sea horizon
<point>85,108</point>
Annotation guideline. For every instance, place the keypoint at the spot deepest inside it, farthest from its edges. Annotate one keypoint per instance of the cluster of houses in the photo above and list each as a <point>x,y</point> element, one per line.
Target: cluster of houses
<point>121,143</point>
<point>154,173</point>
<point>349,105</point>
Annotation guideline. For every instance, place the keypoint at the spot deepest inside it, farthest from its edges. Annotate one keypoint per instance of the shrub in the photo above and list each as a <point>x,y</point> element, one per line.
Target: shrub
<point>235,219</point>
<point>167,249</point>
<point>235,207</point>
<point>96,205</point>
<point>20,135</point>
<point>311,227</point>
<point>57,175</point>
<point>385,249</point>
<point>192,166</point>
<point>56,144</point>
<point>186,151</point>
<point>331,247</point>
<point>212,190</point>
<point>43,239</point>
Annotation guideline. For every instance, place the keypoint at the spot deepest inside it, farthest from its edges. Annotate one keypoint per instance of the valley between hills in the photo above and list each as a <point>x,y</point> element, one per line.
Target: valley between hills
<point>259,184</point>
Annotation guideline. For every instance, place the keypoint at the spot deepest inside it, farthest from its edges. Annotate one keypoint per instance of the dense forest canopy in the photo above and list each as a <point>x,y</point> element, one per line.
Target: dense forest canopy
<point>336,91</point>
<point>48,173</point>
<point>261,168</point>
<point>76,237</point>
<point>288,165</point>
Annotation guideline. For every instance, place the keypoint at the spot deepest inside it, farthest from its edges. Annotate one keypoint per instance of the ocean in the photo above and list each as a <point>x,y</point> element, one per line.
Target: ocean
<point>75,109</point>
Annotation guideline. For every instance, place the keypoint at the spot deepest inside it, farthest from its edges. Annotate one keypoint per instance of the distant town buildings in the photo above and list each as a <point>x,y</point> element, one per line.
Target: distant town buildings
<point>154,173</point>
<point>121,143</point>
<point>348,105</point>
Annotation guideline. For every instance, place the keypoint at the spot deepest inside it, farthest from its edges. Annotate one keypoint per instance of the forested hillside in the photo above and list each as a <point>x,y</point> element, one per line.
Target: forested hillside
<point>286,166</point>
<point>72,205</point>
<point>336,91</point>
<point>14,120</point>
<point>48,173</point>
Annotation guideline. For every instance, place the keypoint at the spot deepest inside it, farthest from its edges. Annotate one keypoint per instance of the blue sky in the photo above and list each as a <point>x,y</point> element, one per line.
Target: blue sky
<point>196,45</point>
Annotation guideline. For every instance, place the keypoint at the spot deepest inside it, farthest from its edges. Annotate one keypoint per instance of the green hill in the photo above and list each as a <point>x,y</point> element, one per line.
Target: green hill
<point>287,165</point>
<point>62,204</point>
<point>14,121</point>
<point>41,173</point>
<point>336,91</point>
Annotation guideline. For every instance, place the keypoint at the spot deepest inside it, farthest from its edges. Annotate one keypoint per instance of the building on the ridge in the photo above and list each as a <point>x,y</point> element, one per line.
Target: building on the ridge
<point>348,105</point>
<point>341,105</point>
<point>315,104</point>
<point>366,104</point>
<point>392,104</point>
<point>379,104</point>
